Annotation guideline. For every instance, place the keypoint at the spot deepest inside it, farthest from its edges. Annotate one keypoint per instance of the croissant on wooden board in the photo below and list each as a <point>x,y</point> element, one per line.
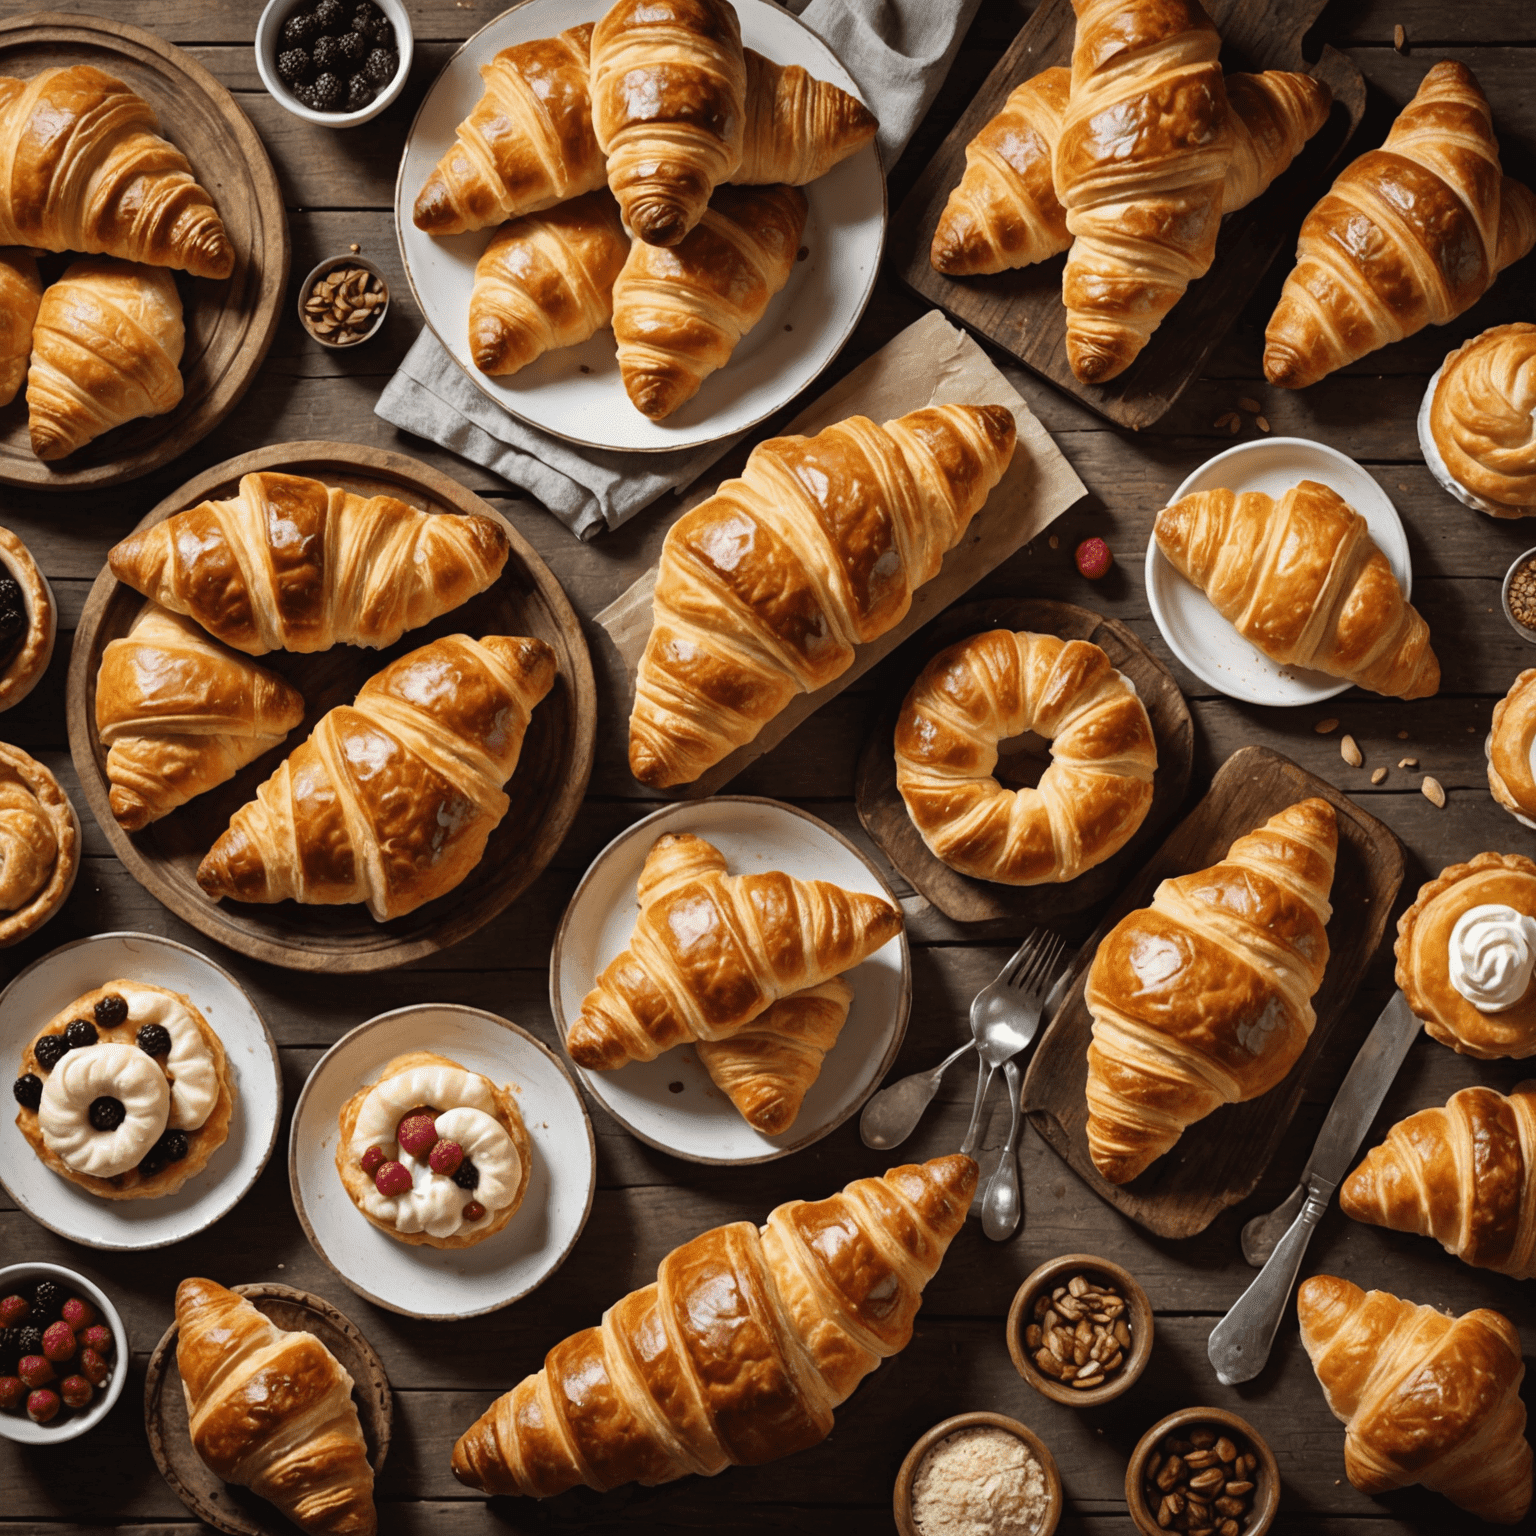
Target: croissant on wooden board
<point>797,127</point>
<point>712,951</point>
<point>83,168</point>
<point>765,589</point>
<point>289,564</point>
<point>737,1353</point>
<point>273,1411</point>
<point>1409,235</point>
<point>1302,580</point>
<point>679,310</point>
<point>1205,997</point>
<point>391,799</point>
<point>21,291</point>
<point>1424,1398</point>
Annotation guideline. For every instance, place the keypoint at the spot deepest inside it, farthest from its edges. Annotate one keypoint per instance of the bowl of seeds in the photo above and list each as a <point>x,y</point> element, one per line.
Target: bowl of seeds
<point>1520,596</point>
<point>1080,1330</point>
<point>1202,1469</point>
<point>343,301</point>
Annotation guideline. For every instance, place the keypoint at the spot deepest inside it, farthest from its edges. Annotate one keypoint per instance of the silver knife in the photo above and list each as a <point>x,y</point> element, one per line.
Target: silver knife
<point>1240,1343</point>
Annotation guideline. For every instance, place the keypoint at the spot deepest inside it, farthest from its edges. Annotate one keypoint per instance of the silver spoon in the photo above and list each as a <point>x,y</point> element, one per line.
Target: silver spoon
<point>891,1115</point>
<point>1000,1208</point>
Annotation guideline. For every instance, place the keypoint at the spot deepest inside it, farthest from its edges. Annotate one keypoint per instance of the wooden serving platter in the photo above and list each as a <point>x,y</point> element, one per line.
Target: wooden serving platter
<point>1219,1160</point>
<point>1022,312</point>
<point>227,1506</point>
<point>230,324</point>
<point>967,900</point>
<point>546,790</point>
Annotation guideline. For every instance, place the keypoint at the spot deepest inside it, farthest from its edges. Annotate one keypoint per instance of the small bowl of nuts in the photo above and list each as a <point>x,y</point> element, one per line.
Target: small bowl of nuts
<point>940,1481</point>
<point>1080,1330</point>
<point>343,301</point>
<point>1202,1469</point>
<point>1520,596</point>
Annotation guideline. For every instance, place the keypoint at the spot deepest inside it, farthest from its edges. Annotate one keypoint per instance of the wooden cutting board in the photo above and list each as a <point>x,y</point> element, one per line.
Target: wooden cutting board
<point>1219,1160</point>
<point>1022,312</point>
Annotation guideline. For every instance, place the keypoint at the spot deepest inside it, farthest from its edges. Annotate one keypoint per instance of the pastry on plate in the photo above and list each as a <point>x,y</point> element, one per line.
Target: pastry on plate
<point>1205,997</point>
<point>28,621</point>
<point>737,1353</point>
<point>1089,801</point>
<point>1511,749</point>
<point>434,1153</point>
<point>798,127</point>
<point>1424,1398</point>
<point>1466,950</point>
<point>126,1092</point>
<point>39,845</point>
<point>21,291</point>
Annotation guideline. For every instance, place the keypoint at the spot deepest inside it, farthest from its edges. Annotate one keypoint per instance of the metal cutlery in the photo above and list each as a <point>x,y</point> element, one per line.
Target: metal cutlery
<point>1000,1206</point>
<point>891,1115</point>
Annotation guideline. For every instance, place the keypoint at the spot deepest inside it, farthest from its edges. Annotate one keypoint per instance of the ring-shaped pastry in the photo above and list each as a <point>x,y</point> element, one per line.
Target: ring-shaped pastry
<point>106,1070</point>
<point>29,654</point>
<point>39,845</point>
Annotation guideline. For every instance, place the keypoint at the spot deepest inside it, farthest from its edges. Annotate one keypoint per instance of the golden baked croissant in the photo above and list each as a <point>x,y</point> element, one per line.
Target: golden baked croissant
<point>767,1069</point>
<point>1464,1175</point>
<point>1409,235</point>
<point>1482,421</point>
<point>1424,1398</point>
<point>83,168</point>
<point>765,589</point>
<point>106,348</point>
<point>273,1411</point>
<point>1270,117</point>
<point>392,798</point>
<point>1302,580</point>
<point>289,564</point>
<point>737,1353</point>
<point>180,713</point>
<point>712,951</point>
<point>797,127</point>
<point>21,291</point>
<point>669,86</point>
<point>546,281</point>
<point>678,311</point>
<point>1205,997</point>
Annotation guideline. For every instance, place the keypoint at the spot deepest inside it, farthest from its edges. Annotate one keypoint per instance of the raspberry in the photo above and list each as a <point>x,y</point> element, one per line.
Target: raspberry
<point>93,1367</point>
<point>445,1158</point>
<point>58,1342</point>
<point>299,28</point>
<point>1094,559</point>
<point>359,93</point>
<point>468,1176</point>
<point>13,1392</point>
<point>473,1211</point>
<point>29,1090</point>
<point>106,1113</point>
<point>153,1040</point>
<point>14,1310</point>
<point>78,1314</point>
<point>111,1011</point>
<point>392,1178</point>
<point>417,1132</point>
<point>35,1370</point>
<point>98,1337</point>
<point>43,1406</point>
<point>79,1033</point>
<point>331,14</point>
<point>292,66</point>
<point>49,1051</point>
<point>29,1340</point>
<point>76,1391</point>
<point>47,1298</point>
<point>371,1160</point>
<point>326,93</point>
<point>381,66</point>
<point>326,53</point>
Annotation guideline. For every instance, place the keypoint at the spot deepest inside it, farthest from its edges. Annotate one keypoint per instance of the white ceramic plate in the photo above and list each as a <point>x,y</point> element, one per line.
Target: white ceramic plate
<point>1198,635</point>
<point>53,983</point>
<point>445,1283</point>
<point>671,1102</point>
<point>576,392</point>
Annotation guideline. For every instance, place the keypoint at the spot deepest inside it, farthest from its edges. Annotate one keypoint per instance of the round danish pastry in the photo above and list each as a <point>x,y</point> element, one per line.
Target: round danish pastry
<point>39,845</point>
<point>126,1092</point>
<point>1512,750</point>
<point>434,1153</point>
<point>28,621</point>
<point>1089,801</point>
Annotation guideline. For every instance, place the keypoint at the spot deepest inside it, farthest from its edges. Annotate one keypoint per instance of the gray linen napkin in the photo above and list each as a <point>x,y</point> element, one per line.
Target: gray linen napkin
<point>899,52</point>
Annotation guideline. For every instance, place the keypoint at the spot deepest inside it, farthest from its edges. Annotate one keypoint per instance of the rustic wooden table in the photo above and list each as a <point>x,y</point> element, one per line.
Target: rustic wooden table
<point>338,187</point>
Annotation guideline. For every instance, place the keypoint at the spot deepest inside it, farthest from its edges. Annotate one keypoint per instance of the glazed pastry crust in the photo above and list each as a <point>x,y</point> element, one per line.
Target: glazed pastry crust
<point>25,669</point>
<point>1483,417</point>
<point>1509,747</point>
<point>16,766</point>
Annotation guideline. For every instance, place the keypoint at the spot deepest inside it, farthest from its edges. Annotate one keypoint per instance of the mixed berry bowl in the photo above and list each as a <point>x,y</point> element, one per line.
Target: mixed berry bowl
<point>337,63</point>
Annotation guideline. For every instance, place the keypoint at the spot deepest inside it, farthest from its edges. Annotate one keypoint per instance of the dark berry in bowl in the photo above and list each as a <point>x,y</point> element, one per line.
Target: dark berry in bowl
<point>111,1011</point>
<point>467,1175</point>
<point>9,1353</point>
<point>153,1040</point>
<point>47,1298</point>
<point>28,1090</point>
<point>327,53</point>
<point>365,14</point>
<point>13,609</point>
<point>381,66</point>
<point>49,1051</point>
<point>327,93</point>
<point>293,66</point>
<point>359,93</point>
<point>106,1113</point>
<point>79,1033</point>
<point>331,14</point>
<point>29,1340</point>
<point>299,28</point>
<point>384,32</point>
<point>353,47</point>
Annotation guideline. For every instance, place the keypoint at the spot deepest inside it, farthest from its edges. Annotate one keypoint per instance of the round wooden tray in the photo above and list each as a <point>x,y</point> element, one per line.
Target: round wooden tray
<point>226,1506</point>
<point>967,900</point>
<point>546,790</point>
<point>230,324</point>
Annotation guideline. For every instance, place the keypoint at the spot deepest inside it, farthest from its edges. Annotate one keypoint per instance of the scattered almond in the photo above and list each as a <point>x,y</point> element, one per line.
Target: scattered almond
<point>1262,422</point>
<point>1235,425</point>
<point>1379,776</point>
<point>1350,752</point>
<point>1251,406</point>
<point>1434,791</point>
<point>1402,735</point>
<point>1227,419</point>
<point>1399,38</point>
<point>1326,727</point>
<point>1407,762</point>
<point>1054,542</point>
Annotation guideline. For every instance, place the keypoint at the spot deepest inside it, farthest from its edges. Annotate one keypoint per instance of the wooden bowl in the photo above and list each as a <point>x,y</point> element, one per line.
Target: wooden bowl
<point>1102,1271</point>
<point>1266,1495</point>
<point>901,1497</point>
<point>546,790</point>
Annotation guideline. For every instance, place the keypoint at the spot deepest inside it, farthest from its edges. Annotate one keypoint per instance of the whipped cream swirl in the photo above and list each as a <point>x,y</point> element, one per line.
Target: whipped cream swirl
<point>1492,955</point>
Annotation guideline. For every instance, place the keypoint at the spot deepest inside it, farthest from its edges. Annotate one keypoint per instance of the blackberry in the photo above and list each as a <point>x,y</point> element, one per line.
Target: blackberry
<point>106,1113</point>
<point>153,1040</point>
<point>327,93</point>
<point>381,66</point>
<point>326,53</point>
<point>384,33</point>
<point>331,14</point>
<point>353,46</point>
<point>111,1011</point>
<point>29,1340</point>
<point>305,95</point>
<point>364,15</point>
<point>174,1145</point>
<point>468,1176</point>
<point>29,1091</point>
<point>79,1033</point>
<point>9,1353</point>
<point>293,66</point>
<point>50,1051</point>
<point>299,28</point>
<point>154,1161</point>
<point>13,607</point>
<point>47,1298</point>
<point>359,92</point>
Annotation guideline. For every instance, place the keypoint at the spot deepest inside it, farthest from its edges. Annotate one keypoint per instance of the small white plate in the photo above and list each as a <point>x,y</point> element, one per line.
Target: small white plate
<point>1204,641</point>
<point>671,1103</point>
<point>53,983</point>
<point>441,1284</point>
<point>576,392</point>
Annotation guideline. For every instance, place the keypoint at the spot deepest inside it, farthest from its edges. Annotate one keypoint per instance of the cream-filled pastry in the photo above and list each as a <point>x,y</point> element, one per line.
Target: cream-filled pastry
<point>1511,749</point>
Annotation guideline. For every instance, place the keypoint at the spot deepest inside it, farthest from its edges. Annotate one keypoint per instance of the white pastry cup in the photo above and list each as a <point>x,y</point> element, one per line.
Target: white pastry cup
<point>1439,469</point>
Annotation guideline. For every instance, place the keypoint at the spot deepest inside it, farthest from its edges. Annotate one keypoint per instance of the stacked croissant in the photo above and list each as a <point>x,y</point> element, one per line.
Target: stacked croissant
<point>644,173</point>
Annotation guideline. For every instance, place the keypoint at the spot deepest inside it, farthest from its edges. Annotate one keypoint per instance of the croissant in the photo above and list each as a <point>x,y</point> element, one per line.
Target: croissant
<point>83,168</point>
<point>1205,997</point>
<point>712,951</point>
<point>392,798</point>
<point>180,714</point>
<point>737,1353</point>
<point>678,311</point>
<point>546,281</point>
<point>1409,235</point>
<point>1425,1398</point>
<point>669,85</point>
<point>797,127</point>
<point>1302,580</point>
<point>273,1411</point>
<point>1269,117</point>
<point>765,589</point>
<point>290,564</point>
<point>21,291</point>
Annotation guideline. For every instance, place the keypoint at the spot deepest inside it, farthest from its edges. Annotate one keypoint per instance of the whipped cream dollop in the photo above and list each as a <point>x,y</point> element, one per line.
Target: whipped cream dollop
<point>1492,955</point>
<point>105,1071</point>
<point>190,1064</point>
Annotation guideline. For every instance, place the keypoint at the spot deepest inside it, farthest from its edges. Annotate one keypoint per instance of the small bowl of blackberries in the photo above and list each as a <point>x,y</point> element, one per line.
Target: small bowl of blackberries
<point>335,62</point>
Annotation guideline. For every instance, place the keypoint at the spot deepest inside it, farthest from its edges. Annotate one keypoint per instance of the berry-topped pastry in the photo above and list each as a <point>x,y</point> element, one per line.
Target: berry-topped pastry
<point>434,1153</point>
<point>126,1092</point>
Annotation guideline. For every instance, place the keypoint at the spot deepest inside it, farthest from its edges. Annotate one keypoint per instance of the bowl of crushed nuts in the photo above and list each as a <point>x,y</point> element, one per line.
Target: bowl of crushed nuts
<point>1202,1469</point>
<point>1080,1330</point>
<point>343,301</point>
<point>337,63</point>
<point>1520,596</point>
<point>978,1471</point>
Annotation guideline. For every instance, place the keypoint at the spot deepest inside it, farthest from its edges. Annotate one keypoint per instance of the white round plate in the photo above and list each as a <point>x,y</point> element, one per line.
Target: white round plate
<point>440,1284</point>
<point>1204,641</point>
<point>52,984</point>
<point>576,392</point>
<point>671,1103</point>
